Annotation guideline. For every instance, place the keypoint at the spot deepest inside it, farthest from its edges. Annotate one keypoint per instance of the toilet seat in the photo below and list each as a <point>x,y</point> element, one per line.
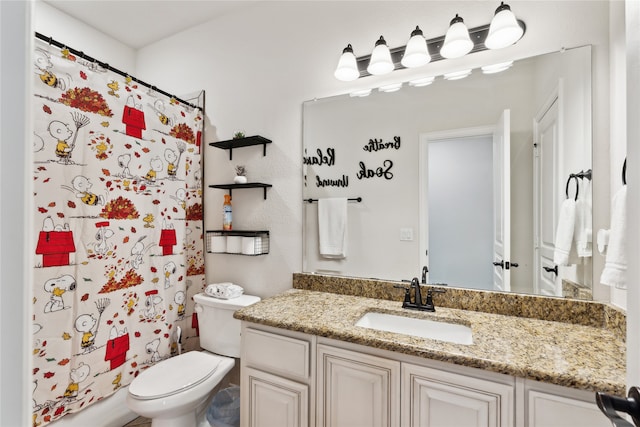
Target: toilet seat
<point>174,375</point>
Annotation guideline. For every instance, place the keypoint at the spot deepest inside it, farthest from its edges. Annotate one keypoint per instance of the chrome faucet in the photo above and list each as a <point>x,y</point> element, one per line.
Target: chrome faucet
<point>425,270</point>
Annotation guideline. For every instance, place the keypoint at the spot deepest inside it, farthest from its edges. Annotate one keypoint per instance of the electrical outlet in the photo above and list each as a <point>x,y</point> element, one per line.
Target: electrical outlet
<point>406,234</point>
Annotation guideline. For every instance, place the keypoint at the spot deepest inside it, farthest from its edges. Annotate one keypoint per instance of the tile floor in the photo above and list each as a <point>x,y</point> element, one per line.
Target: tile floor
<point>139,422</point>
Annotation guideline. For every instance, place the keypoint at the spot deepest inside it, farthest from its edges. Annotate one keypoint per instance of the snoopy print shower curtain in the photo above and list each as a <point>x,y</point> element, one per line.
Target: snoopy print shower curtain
<point>118,234</point>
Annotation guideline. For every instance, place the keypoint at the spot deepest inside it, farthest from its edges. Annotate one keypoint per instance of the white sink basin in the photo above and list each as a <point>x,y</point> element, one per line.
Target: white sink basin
<point>443,331</point>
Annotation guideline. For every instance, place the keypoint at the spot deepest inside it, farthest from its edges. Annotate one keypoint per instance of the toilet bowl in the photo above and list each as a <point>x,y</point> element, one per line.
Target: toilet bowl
<point>176,391</point>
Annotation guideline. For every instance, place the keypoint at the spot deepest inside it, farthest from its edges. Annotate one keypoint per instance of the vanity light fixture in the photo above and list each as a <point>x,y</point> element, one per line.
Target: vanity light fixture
<point>393,87</point>
<point>457,75</point>
<point>347,69</point>
<point>457,42</point>
<point>380,62</point>
<point>424,81</point>
<point>496,68</point>
<point>504,29</point>
<point>416,54</point>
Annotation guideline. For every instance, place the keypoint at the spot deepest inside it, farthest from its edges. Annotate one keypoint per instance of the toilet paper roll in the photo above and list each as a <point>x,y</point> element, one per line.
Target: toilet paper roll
<point>234,244</point>
<point>248,245</point>
<point>218,244</point>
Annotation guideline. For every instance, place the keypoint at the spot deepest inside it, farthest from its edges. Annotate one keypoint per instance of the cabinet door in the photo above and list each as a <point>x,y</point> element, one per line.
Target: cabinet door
<point>434,398</point>
<point>271,401</point>
<point>357,390</point>
<point>551,410</point>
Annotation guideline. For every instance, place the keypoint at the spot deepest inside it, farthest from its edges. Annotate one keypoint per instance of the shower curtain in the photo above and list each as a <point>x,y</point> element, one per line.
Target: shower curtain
<point>118,230</point>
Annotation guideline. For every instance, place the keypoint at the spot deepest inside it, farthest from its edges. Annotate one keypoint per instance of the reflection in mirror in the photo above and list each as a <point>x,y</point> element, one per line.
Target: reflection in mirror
<point>424,160</point>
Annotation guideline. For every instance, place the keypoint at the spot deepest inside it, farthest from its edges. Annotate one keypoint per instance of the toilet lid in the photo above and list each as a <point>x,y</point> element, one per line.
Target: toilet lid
<point>174,375</point>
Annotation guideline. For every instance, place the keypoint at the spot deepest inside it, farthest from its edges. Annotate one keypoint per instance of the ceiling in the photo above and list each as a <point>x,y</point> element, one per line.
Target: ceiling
<point>121,19</point>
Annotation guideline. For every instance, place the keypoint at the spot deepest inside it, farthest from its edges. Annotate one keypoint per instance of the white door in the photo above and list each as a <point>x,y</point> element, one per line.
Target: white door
<point>502,203</point>
<point>547,197</point>
<point>460,211</point>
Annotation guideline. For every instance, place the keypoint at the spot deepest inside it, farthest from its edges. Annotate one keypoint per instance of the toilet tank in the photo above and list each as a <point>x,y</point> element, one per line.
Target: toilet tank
<point>219,331</point>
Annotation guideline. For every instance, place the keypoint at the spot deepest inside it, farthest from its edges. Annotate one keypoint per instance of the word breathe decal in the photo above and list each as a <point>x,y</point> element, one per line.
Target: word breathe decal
<point>376,144</point>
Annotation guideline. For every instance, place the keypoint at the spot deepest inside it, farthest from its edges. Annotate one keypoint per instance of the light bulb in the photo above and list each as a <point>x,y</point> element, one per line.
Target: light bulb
<point>504,29</point>
<point>457,42</point>
<point>380,62</point>
<point>416,53</point>
<point>347,69</point>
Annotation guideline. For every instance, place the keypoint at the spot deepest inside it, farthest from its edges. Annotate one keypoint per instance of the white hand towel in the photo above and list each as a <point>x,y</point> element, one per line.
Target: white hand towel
<point>603,241</point>
<point>615,266</point>
<point>224,290</point>
<point>564,232</point>
<point>582,232</point>
<point>332,227</point>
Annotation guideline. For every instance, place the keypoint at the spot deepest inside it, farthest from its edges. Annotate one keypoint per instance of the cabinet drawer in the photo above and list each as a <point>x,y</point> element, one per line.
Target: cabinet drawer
<point>277,353</point>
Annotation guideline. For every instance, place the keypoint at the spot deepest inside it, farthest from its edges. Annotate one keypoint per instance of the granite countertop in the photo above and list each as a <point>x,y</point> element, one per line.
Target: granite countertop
<point>577,356</point>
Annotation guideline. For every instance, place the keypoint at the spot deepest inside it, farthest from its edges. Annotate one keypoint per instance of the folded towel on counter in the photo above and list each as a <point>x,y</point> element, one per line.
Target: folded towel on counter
<point>224,290</point>
<point>564,232</point>
<point>583,233</point>
<point>615,267</point>
<point>332,227</point>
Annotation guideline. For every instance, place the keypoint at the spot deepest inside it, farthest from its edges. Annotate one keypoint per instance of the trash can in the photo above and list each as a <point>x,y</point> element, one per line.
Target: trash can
<point>224,409</point>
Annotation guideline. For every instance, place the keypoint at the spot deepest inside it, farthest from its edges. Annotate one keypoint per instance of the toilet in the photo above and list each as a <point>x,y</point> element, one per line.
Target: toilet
<point>176,391</point>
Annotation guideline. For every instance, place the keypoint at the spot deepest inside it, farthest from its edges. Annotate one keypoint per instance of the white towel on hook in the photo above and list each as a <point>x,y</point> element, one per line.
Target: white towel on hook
<point>332,227</point>
<point>583,233</point>
<point>615,267</point>
<point>564,232</point>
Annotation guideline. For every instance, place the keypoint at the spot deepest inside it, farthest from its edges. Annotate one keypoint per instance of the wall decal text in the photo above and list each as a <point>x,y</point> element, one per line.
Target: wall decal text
<point>376,144</point>
<point>383,171</point>
<point>328,159</point>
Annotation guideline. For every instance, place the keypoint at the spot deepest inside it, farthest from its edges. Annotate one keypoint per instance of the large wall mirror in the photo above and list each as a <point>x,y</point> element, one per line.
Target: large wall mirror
<point>466,177</point>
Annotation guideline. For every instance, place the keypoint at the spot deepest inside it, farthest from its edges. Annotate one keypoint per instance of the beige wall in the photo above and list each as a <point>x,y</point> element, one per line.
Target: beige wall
<point>258,66</point>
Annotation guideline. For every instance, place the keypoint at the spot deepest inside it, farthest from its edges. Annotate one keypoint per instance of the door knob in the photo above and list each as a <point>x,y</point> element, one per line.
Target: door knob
<point>499,263</point>
<point>553,270</point>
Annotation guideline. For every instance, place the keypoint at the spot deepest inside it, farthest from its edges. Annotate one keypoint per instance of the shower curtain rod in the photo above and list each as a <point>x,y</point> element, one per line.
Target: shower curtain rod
<point>82,55</point>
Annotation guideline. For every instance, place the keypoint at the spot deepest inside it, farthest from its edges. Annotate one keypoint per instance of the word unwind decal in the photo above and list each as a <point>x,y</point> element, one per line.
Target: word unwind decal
<point>383,171</point>
<point>328,159</point>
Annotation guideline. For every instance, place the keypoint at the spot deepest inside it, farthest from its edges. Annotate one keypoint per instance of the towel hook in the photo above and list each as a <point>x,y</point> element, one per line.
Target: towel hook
<point>566,190</point>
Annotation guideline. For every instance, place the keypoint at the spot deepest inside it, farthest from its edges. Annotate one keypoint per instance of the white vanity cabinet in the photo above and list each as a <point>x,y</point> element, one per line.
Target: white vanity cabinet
<point>299,380</point>
<point>276,378</point>
<point>437,398</point>
<point>548,405</point>
<point>356,389</point>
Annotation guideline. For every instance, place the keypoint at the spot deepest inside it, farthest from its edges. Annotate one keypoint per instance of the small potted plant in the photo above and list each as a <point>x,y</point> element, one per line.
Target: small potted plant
<point>238,135</point>
<point>240,177</point>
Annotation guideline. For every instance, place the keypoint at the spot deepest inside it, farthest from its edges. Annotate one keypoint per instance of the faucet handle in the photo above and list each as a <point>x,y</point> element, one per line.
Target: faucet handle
<point>429,306</point>
<point>407,295</point>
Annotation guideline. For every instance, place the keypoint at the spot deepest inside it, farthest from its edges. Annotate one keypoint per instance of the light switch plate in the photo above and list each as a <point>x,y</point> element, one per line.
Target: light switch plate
<point>406,234</point>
